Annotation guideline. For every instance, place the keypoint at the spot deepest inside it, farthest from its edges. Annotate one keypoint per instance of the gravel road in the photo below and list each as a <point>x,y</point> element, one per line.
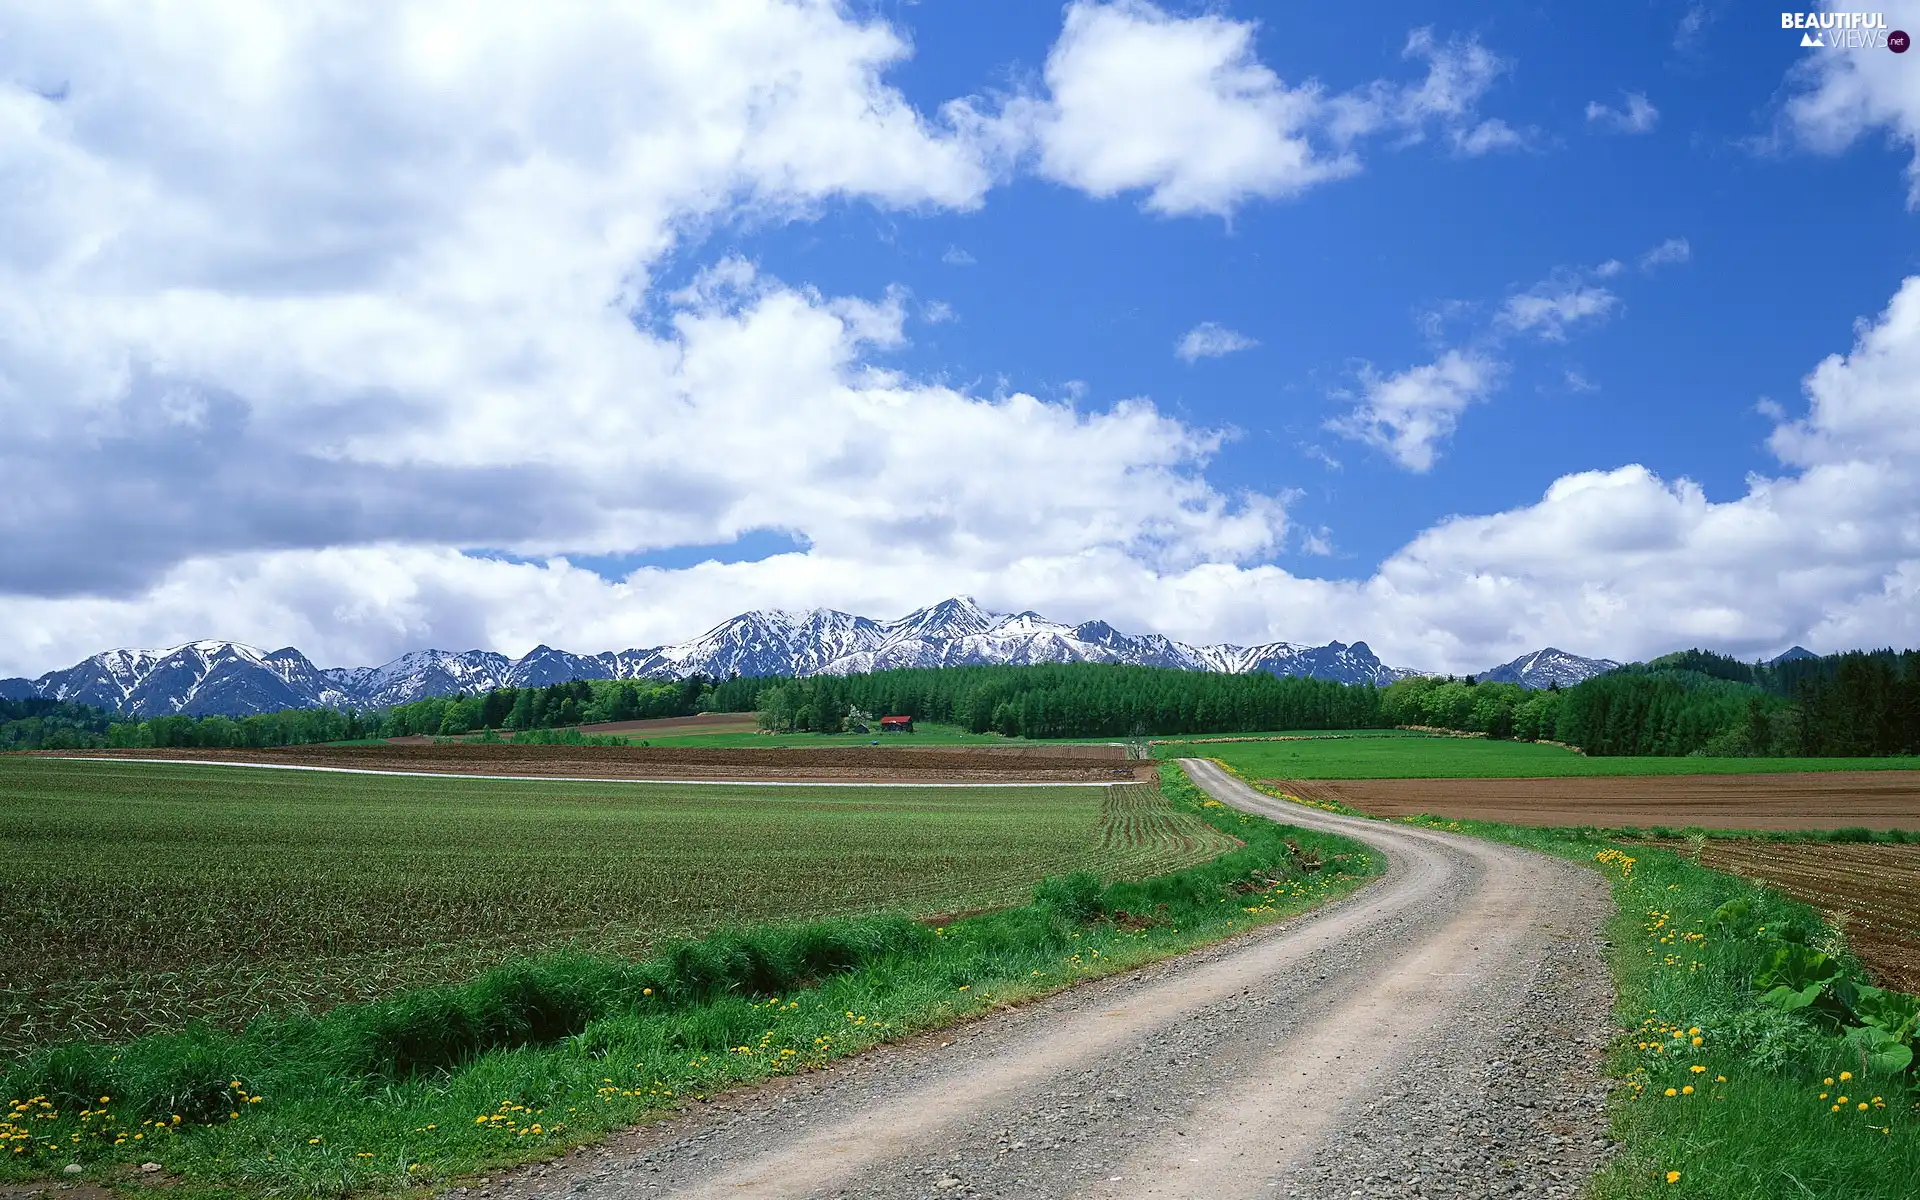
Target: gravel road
<point>1437,1033</point>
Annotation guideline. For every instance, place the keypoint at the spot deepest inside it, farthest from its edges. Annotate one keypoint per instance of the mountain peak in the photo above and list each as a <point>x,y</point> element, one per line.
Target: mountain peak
<point>1546,667</point>
<point>236,679</point>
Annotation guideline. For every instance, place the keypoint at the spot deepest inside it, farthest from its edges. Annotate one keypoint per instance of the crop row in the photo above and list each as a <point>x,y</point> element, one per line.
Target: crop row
<point>148,896</point>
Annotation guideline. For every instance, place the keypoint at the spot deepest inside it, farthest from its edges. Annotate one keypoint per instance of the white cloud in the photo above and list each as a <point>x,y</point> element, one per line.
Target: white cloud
<point>1549,308</point>
<point>1459,72</point>
<point>1839,98</point>
<point>309,302</point>
<point>1407,415</point>
<point>306,283</point>
<point>1608,269</point>
<point>1618,562</point>
<point>956,257</point>
<point>1576,382</point>
<point>1673,250</point>
<point>1486,137</point>
<point>1180,108</point>
<point>1636,115</point>
<point>1211,340</point>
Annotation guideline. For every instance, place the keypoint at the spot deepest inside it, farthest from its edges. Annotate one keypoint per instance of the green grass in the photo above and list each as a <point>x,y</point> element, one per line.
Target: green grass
<point>1416,756</point>
<point>141,896</point>
<point>538,1055</point>
<point>1755,1124</point>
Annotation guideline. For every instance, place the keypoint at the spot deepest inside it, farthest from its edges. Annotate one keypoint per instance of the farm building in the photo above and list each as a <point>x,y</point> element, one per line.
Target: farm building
<point>896,724</point>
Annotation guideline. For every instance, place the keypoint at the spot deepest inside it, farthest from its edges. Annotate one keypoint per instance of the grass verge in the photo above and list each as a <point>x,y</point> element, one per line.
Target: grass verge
<point>546,1053</point>
<point>1722,1094</point>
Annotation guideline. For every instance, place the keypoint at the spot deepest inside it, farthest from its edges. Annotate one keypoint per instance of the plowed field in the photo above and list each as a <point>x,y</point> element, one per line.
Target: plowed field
<point>147,896</point>
<point>1824,800</point>
<point>854,763</point>
<point>1877,887</point>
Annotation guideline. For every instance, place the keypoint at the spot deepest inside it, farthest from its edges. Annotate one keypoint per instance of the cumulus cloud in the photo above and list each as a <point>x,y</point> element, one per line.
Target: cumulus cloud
<point>1636,115</point>
<point>285,328</point>
<point>357,287</point>
<point>1211,340</point>
<point>1408,414</point>
<point>1619,562</point>
<point>1839,98</point>
<point>1181,108</point>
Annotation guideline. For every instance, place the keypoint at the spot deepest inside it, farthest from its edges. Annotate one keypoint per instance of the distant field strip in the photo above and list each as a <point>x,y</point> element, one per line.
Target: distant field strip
<point>1811,800</point>
<point>140,897</point>
<point>1416,756</point>
<point>779,783</point>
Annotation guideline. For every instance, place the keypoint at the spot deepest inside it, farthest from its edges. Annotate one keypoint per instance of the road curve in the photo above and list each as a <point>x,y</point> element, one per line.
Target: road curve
<point>1436,1033</point>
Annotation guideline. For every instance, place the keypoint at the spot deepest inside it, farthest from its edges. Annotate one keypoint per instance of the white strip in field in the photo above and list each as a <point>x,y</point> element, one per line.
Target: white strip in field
<point>258,766</point>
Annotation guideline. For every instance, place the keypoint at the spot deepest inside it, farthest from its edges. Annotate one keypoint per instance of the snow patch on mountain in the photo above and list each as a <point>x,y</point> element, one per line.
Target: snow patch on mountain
<point>1546,668</point>
<point>236,679</point>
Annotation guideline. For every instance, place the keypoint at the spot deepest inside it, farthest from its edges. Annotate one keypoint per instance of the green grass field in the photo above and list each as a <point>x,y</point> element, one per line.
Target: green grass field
<point>432,1086</point>
<point>141,896</point>
<point>1369,755</point>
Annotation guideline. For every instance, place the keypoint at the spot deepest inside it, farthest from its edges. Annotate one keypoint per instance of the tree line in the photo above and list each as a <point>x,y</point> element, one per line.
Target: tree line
<point>1856,704</point>
<point>1059,700</point>
<point>53,725</point>
<point>1863,703</point>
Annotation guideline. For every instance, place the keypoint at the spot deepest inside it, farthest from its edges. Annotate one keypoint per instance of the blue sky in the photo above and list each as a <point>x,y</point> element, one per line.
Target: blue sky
<point>1787,250</point>
<point>461,328</point>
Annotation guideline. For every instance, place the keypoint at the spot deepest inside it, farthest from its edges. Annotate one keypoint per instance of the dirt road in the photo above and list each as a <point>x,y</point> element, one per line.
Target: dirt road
<point>1436,1034</point>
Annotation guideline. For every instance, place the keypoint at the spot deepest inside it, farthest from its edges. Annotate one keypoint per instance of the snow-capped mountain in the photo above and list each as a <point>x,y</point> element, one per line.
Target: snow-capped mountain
<point>197,679</point>
<point>1544,668</point>
<point>423,673</point>
<point>235,679</point>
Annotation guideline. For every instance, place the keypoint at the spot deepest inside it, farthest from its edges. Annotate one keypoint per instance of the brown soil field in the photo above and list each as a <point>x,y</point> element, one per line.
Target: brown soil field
<point>1024,750</point>
<point>658,727</point>
<point>1813,800</point>
<point>1877,887</point>
<point>870,764</point>
<point>676,726</point>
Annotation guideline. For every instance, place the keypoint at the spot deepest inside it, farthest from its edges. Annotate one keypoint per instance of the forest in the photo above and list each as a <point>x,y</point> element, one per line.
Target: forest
<point>50,725</point>
<point>1060,700</point>
<point>1861,703</point>
<point>1694,702</point>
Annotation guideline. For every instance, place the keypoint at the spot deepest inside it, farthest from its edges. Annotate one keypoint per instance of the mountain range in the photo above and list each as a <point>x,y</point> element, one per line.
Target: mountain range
<point>232,679</point>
